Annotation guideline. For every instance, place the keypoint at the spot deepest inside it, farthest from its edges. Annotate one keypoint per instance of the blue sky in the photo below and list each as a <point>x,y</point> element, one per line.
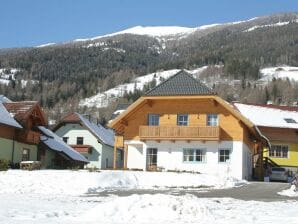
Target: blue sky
<point>34,22</point>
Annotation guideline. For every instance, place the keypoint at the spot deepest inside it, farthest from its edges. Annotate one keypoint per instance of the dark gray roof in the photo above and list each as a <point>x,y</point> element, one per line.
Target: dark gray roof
<point>182,83</point>
<point>103,134</point>
<point>122,106</point>
<point>55,143</point>
<point>7,119</point>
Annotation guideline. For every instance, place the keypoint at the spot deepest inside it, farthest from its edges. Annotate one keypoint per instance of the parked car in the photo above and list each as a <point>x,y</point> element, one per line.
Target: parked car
<point>279,174</point>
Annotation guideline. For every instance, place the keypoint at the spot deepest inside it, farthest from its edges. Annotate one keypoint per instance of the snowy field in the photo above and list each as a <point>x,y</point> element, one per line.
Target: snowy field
<point>62,197</point>
<point>282,72</point>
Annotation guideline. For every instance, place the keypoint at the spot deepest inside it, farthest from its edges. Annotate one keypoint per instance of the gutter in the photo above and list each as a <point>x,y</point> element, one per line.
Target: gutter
<point>263,136</point>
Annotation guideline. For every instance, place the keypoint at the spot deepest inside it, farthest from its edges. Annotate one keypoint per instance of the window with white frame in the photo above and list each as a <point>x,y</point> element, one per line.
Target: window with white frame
<point>153,119</point>
<point>182,119</point>
<point>279,151</point>
<point>224,155</point>
<point>194,155</point>
<point>212,120</point>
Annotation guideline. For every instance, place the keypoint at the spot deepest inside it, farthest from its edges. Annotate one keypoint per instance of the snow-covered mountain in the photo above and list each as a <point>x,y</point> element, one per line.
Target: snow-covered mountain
<point>165,32</point>
<point>153,31</point>
<point>177,32</point>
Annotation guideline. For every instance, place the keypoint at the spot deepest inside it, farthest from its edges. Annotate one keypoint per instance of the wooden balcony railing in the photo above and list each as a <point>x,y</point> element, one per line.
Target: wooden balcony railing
<point>179,132</point>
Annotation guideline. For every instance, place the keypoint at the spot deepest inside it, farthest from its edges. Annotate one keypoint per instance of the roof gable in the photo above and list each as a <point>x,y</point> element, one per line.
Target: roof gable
<point>143,100</point>
<point>22,110</point>
<point>182,83</point>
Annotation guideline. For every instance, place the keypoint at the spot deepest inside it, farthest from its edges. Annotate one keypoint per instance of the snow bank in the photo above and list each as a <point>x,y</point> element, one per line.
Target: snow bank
<point>144,209</point>
<point>189,209</point>
<point>289,192</point>
<point>79,182</point>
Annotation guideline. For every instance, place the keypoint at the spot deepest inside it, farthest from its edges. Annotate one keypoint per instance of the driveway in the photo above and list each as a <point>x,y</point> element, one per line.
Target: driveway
<point>257,191</point>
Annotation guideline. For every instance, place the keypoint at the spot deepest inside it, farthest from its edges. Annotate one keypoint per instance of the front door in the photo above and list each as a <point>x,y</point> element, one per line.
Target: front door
<point>152,159</point>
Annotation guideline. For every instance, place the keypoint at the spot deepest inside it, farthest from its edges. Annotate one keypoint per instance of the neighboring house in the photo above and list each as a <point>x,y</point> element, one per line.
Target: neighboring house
<point>22,144</point>
<point>23,137</point>
<point>55,153</point>
<point>10,150</point>
<point>182,125</point>
<point>280,125</point>
<point>90,139</point>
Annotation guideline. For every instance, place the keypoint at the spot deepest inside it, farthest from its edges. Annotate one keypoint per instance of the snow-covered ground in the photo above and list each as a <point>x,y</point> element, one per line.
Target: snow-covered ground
<point>51,196</point>
<point>291,192</point>
<point>282,72</point>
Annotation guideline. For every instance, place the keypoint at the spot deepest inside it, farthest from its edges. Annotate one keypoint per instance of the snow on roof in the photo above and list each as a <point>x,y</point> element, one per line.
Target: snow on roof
<point>55,143</point>
<point>103,134</point>
<point>7,119</point>
<point>261,115</point>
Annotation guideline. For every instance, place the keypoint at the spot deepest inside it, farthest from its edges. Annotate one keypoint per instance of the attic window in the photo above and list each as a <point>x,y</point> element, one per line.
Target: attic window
<point>290,120</point>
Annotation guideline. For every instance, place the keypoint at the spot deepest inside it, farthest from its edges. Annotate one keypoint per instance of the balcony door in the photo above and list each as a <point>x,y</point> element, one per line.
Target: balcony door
<point>152,159</point>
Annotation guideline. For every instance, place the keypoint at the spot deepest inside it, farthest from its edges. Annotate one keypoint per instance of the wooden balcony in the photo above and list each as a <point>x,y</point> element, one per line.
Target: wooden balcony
<point>179,133</point>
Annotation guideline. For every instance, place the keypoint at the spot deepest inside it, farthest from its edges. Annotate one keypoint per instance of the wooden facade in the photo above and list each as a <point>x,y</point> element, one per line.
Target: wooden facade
<point>30,115</point>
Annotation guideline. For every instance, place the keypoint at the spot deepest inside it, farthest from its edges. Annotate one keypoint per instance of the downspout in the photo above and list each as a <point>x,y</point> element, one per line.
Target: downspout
<point>263,136</point>
<point>12,154</point>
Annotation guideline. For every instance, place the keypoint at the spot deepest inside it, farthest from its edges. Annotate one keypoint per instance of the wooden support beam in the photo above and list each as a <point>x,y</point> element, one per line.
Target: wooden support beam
<point>149,102</point>
<point>115,157</point>
<point>124,122</point>
<point>125,156</point>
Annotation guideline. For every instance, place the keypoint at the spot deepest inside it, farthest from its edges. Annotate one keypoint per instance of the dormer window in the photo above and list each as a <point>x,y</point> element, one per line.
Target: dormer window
<point>290,120</point>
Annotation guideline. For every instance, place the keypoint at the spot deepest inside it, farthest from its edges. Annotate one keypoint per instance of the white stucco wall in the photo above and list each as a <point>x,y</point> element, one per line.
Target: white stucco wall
<point>102,155</point>
<point>170,156</point>
<point>135,156</point>
<point>247,162</point>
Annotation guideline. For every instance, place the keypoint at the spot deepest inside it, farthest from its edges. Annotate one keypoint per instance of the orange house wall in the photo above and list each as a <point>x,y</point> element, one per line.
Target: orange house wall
<point>197,109</point>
